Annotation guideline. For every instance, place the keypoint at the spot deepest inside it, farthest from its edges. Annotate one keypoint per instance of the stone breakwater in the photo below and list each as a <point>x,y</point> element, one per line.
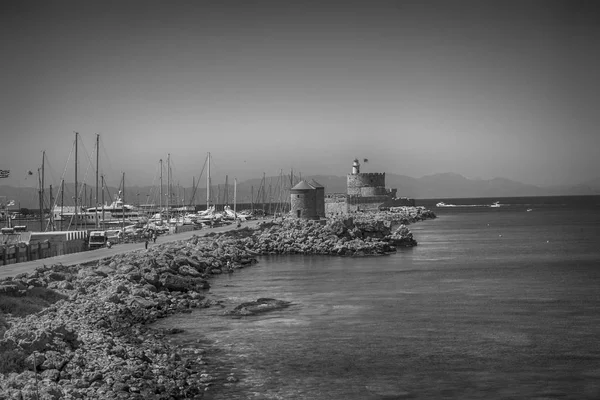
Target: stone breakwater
<point>399,215</point>
<point>99,343</point>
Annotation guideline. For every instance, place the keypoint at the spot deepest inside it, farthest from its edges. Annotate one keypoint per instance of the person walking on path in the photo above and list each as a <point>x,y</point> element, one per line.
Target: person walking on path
<point>146,244</point>
<point>154,237</point>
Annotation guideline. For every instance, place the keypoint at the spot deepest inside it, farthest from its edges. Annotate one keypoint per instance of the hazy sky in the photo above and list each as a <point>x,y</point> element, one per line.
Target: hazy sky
<point>484,89</point>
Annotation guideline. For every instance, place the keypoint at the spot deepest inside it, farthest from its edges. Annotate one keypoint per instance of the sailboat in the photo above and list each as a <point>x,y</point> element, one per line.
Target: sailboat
<point>118,212</point>
<point>210,215</point>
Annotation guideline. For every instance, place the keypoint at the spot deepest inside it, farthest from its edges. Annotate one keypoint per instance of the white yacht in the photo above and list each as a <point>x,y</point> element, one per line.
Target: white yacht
<point>115,212</point>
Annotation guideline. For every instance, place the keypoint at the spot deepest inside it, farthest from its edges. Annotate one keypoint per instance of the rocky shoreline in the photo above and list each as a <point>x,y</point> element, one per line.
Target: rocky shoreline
<point>98,342</point>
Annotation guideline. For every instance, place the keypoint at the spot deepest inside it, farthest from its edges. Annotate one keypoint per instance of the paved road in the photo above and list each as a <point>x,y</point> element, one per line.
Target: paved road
<point>92,255</point>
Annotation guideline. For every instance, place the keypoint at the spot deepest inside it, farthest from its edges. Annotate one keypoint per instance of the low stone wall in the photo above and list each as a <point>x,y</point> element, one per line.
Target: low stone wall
<point>11,254</point>
<point>62,242</point>
<point>184,228</point>
<point>335,208</point>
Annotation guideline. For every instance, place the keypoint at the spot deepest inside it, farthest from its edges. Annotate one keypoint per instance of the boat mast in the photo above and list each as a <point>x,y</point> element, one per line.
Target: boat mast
<point>270,194</point>
<point>280,183</point>
<point>161,191</point>
<point>235,197</point>
<point>42,193</point>
<point>40,200</point>
<point>123,207</point>
<point>168,184</point>
<point>103,220</point>
<point>218,201</point>
<point>62,202</point>
<point>262,185</point>
<point>208,184</point>
<point>52,210</point>
<point>97,163</point>
<point>226,189</point>
<point>76,191</point>
<point>193,192</point>
<point>291,186</point>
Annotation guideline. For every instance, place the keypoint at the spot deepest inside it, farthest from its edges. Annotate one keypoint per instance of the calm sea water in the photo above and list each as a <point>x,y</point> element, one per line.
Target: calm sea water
<point>494,303</point>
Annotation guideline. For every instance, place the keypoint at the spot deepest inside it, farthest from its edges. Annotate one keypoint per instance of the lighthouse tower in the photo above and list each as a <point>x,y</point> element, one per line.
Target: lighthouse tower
<point>365,184</point>
<point>356,167</point>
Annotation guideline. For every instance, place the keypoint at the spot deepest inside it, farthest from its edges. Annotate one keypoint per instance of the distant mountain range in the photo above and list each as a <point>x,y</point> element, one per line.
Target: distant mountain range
<point>451,185</point>
<point>436,186</point>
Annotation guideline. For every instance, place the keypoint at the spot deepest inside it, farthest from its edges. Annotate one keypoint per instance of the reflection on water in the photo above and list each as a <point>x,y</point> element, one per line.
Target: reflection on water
<point>465,315</point>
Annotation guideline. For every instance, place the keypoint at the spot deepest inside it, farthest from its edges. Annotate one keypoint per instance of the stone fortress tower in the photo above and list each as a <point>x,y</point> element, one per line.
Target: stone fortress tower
<point>364,192</point>
<point>365,184</point>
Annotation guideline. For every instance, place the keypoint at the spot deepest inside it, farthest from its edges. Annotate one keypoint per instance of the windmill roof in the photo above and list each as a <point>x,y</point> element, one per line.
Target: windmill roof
<point>303,185</point>
<point>316,184</point>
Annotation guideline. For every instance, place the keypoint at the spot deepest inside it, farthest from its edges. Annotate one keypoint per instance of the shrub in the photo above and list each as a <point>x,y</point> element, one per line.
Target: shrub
<point>3,325</point>
<point>46,294</point>
<point>36,300</point>
<point>12,361</point>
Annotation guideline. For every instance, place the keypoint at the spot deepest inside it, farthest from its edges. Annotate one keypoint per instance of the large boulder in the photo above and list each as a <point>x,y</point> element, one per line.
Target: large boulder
<point>187,270</point>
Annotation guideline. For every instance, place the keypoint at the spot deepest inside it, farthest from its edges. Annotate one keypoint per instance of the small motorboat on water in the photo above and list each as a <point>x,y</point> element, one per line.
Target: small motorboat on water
<point>529,209</point>
<point>442,204</point>
<point>495,204</point>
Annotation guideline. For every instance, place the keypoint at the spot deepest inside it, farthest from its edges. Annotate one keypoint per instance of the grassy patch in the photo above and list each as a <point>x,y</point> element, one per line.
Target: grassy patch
<point>36,300</point>
<point>3,325</point>
<point>12,361</point>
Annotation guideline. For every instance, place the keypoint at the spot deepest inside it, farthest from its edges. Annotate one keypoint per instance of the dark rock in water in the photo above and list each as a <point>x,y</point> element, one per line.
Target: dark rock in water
<point>172,331</point>
<point>259,306</point>
<point>402,242</point>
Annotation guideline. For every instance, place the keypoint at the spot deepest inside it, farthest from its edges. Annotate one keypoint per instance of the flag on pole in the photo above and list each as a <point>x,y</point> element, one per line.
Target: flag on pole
<point>4,173</point>
<point>366,160</point>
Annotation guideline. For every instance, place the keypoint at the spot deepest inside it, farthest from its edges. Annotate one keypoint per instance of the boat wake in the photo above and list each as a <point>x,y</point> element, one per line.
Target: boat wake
<point>442,204</point>
<point>495,204</point>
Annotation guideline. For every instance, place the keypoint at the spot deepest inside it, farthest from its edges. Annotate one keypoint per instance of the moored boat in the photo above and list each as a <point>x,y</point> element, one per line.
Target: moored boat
<point>114,212</point>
